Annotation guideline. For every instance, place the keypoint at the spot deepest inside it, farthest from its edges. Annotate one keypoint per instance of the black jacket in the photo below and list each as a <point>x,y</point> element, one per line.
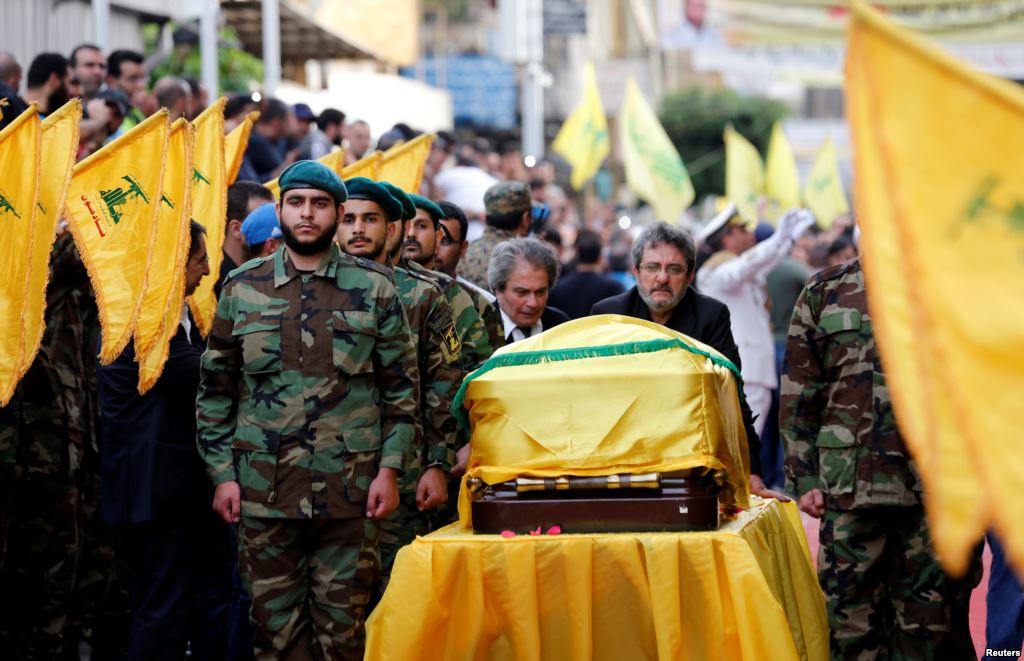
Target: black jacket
<point>575,293</point>
<point>706,320</point>
<point>151,469</point>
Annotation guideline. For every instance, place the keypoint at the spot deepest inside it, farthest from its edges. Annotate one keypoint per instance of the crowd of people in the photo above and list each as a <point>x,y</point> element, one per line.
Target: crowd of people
<point>252,504</point>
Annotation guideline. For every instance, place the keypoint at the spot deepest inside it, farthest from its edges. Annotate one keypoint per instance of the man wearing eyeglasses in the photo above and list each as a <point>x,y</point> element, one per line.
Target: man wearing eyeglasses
<point>664,260</point>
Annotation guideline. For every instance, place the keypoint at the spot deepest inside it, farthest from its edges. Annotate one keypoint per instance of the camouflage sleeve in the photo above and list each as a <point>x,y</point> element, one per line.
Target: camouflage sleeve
<point>217,402</point>
<point>476,343</point>
<point>442,374</point>
<point>802,397</point>
<point>492,321</point>
<point>397,380</point>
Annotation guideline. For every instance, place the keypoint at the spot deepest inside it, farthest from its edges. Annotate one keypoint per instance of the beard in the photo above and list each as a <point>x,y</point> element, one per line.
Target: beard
<point>421,256</point>
<point>660,305</point>
<point>370,252</point>
<point>318,245</point>
<point>57,98</point>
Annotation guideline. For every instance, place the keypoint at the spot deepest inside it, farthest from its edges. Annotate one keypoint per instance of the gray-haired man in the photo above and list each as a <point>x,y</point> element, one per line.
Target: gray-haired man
<point>521,272</point>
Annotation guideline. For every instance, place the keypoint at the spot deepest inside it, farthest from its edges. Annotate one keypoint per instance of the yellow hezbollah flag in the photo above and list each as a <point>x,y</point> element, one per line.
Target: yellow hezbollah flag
<point>59,147</point>
<point>112,208</point>
<point>164,296</point>
<point>235,143</point>
<point>335,160</point>
<point>781,181</point>
<point>209,205</point>
<point>654,169</point>
<point>942,249</point>
<point>823,191</point>
<point>744,173</point>
<point>402,165</point>
<point>20,146</point>
<point>583,139</point>
<point>368,166</point>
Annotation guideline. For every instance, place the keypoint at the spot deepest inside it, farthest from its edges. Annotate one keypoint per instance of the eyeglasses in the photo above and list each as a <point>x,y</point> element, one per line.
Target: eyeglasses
<point>654,268</point>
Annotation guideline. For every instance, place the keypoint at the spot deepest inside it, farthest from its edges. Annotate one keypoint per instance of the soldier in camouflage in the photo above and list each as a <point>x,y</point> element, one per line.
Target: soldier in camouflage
<point>451,245</point>
<point>887,595</point>
<point>509,214</point>
<point>371,214</point>
<point>307,414</point>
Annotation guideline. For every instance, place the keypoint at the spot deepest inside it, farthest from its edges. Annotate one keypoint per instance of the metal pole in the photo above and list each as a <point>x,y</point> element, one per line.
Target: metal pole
<point>101,23</point>
<point>533,82</point>
<point>208,20</point>
<point>271,46</point>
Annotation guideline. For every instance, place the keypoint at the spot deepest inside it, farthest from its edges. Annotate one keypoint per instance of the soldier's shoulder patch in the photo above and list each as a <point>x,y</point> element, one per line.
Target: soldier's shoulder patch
<point>443,279</point>
<point>450,342</point>
<point>432,284</point>
<point>250,266</point>
<point>368,265</point>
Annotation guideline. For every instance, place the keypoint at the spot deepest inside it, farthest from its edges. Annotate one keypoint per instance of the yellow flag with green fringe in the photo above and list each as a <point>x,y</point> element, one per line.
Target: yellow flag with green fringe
<point>744,173</point>
<point>112,208</point>
<point>235,143</point>
<point>583,140</point>
<point>823,191</point>
<point>209,205</point>
<point>781,180</point>
<point>59,147</point>
<point>402,165</point>
<point>20,147</point>
<point>164,297</point>
<point>943,247</point>
<point>654,169</point>
<point>368,166</point>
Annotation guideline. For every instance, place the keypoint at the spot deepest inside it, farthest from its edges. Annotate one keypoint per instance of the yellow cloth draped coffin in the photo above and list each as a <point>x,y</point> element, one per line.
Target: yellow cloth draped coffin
<point>603,395</point>
<point>745,591</point>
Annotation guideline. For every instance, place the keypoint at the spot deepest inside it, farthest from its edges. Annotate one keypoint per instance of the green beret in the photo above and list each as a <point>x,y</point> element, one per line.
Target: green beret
<point>361,188</point>
<point>429,206</point>
<point>408,208</point>
<point>310,174</point>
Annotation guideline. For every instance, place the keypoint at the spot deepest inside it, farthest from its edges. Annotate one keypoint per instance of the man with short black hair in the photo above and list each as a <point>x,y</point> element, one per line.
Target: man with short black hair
<point>324,137</point>
<point>90,67</point>
<point>262,152</point>
<point>126,72</point>
<point>577,292</point>
<point>48,82</point>
<point>664,259</point>
<point>509,214</point>
<point>244,197</point>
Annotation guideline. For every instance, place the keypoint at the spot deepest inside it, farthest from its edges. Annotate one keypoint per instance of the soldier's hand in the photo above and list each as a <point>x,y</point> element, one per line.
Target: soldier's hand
<point>383,496</point>
<point>432,489</point>
<point>812,503</point>
<point>227,501</point>
<point>758,488</point>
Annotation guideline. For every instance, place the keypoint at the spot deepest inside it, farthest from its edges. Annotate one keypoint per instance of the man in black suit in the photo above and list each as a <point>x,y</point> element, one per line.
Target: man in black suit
<point>664,260</point>
<point>521,272</point>
<point>156,493</point>
<point>578,291</point>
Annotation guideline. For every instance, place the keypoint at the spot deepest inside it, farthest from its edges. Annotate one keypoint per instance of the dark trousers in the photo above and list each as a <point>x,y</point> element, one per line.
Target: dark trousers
<point>1004,625</point>
<point>181,589</point>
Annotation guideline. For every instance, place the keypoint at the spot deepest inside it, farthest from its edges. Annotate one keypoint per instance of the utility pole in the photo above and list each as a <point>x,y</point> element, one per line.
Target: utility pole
<point>209,68</point>
<point>533,80</point>
<point>271,46</point>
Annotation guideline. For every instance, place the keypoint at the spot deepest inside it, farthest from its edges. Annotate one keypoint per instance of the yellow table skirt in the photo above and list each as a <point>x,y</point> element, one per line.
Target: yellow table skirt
<point>745,591</point>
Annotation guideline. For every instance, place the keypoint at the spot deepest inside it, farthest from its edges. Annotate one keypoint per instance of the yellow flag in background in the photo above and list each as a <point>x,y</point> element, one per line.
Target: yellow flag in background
<point>164,296</point>
<point>335,160</point>
<point>654,169</point>
<point>823,191</point>
<point>943,249</point>
<point>235,143</point>
<point>59,147</point>
<point>781,181</point>
<point>209,205</point>
<point>402,165</point>
<point>744,173</point>
<point>20,146</point>
<point>583,139</point>
<point>368,166</point>
<point>112,208</point>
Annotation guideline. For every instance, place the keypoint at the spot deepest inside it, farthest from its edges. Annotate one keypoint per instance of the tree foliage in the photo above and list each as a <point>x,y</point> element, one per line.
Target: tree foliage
<point>695,119</point>
<point>240,71</point>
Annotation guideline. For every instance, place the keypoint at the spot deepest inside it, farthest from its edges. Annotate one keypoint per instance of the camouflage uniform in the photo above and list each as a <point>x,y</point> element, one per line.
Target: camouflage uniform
<point>307,388</point>
<point>887,595</point>
<point>473,334</point>
<point>54,550</point>
<point>440,366</point>
<point>473,265</point>
<point>487,308</point>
